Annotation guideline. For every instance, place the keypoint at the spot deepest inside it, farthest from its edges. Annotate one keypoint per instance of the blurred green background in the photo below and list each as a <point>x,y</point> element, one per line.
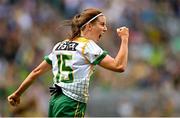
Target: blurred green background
<point>149,87</point>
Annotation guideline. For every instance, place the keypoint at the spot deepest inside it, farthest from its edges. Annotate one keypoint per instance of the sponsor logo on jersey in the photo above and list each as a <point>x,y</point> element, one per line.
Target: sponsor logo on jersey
<point>67,45</point>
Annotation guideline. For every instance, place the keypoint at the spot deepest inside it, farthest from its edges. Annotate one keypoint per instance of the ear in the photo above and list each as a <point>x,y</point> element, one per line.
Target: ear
<point>89,26</point>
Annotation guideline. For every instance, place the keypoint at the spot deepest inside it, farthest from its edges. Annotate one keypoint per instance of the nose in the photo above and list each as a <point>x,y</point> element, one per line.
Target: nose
<point>105,28</point>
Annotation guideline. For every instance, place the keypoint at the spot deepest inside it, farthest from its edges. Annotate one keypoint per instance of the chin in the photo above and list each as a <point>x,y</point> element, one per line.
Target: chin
<point>98,38</point>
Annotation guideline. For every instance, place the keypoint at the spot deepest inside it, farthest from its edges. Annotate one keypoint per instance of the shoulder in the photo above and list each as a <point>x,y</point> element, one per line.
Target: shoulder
<point>82,40</point>
<point>92,44</point>
<point>85,41</point>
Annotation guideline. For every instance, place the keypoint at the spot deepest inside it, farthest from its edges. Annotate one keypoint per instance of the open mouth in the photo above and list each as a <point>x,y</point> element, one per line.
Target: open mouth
<point>100,35</point>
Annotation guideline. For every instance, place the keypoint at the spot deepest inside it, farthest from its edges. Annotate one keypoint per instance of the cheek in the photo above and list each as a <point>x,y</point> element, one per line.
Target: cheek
<point>100,29</point>
<point>97,31</point>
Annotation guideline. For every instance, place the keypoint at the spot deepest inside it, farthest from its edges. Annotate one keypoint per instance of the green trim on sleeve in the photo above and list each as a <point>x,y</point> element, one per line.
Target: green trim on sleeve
<point>46,58</point>
<point>100,58</point>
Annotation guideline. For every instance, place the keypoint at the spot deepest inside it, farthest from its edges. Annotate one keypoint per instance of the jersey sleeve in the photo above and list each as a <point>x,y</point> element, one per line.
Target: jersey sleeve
<point>48,58</point>
<point>93,53</point>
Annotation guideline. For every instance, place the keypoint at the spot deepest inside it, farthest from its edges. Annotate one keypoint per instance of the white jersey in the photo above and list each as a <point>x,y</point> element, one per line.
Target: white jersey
<point>72,65</point>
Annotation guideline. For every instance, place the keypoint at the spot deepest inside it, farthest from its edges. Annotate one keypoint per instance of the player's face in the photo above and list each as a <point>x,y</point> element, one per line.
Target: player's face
<point>99,28</point>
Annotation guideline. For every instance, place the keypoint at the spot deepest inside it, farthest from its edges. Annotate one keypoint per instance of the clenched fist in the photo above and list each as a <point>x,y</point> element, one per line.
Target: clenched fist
<point>123,33</point>
<point>13,99</point>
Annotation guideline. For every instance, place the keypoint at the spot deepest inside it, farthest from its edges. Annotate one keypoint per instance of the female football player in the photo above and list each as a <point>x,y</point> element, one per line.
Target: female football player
<point>72,62</point>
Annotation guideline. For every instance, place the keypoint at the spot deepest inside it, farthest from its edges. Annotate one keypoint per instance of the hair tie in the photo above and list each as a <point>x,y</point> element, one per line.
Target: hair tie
<point>91,19</point>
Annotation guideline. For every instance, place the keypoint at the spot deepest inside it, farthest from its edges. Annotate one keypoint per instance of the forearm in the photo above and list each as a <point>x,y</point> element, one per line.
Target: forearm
<point>42,68</point>
<point>122,56</point>
<point>26,83</point>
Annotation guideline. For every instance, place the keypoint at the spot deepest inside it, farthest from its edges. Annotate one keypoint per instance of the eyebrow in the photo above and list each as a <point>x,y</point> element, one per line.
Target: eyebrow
<point>101,22</point>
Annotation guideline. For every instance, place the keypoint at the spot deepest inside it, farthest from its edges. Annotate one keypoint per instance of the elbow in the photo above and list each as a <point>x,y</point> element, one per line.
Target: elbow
<point>121,69</point>
<point>35,73</point>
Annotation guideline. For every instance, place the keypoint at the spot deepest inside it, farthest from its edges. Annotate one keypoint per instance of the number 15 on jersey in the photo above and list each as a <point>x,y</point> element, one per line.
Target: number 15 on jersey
<point>63,68</point>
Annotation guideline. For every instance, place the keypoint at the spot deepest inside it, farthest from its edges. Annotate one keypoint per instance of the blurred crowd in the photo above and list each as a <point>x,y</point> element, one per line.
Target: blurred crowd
<point>149,87</point>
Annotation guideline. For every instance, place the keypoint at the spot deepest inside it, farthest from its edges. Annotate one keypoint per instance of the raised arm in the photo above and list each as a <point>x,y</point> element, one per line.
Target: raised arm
<point>118,63</point>
<point>14,98</point>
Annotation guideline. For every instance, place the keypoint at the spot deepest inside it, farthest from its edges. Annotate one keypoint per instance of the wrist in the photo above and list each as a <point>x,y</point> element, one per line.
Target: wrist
<point>125,37</point>
<point>124,40</point>
<point>16,93</point>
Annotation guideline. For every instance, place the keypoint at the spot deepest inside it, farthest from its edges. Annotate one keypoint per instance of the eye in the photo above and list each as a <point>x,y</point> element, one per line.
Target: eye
<point>102,23</point>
